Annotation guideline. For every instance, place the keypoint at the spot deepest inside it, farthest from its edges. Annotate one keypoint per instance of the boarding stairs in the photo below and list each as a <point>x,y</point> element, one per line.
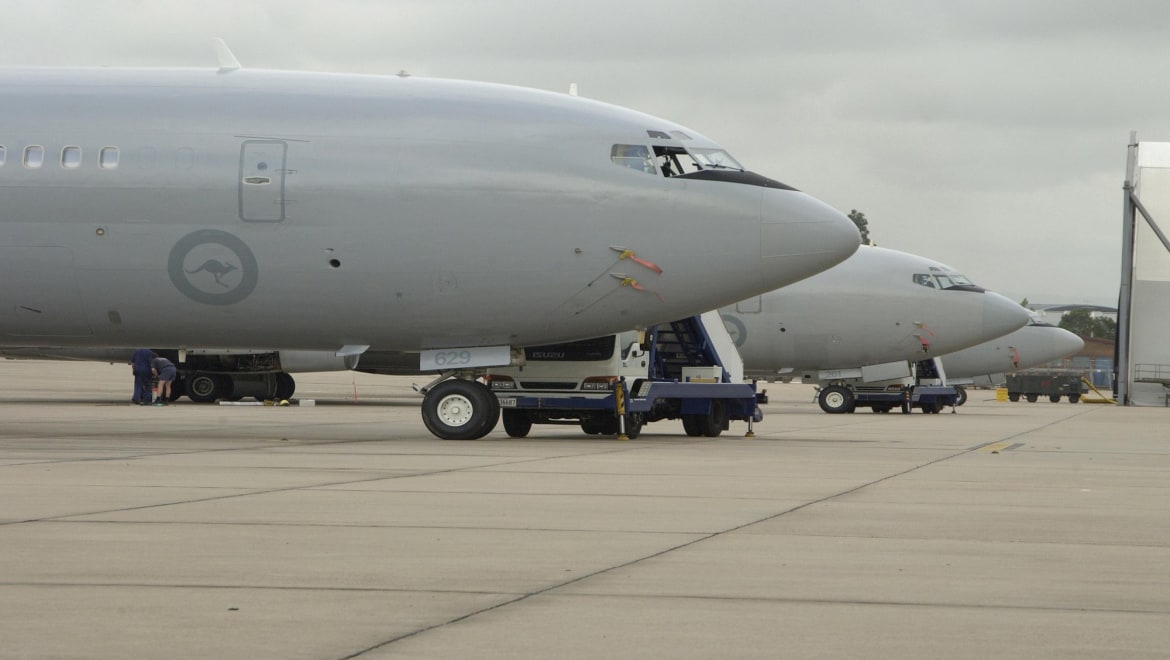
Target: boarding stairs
<point>696,341</point>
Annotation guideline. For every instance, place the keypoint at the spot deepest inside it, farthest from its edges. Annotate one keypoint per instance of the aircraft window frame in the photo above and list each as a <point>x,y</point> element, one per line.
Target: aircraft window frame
<point>633,156</point>
<point>34,156</point>
<point>71,157</point>
<point>108,158</point>
<point>3,155</point>
<point>923,279</point>
<point>669,160</point>
<point>715,158</point>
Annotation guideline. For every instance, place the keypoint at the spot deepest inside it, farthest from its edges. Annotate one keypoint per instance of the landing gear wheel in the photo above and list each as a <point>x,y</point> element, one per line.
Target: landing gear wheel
<point>691,425</point>
<point>460,410</point>
<point>517,423</point>
<point>835,399</point>
<point>962,396</point>
<point>285,386</point>
<point>206,388</point>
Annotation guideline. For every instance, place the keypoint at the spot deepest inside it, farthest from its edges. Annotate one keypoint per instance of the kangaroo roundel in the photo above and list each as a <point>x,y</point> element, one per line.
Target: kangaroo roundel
<point>213,267</point>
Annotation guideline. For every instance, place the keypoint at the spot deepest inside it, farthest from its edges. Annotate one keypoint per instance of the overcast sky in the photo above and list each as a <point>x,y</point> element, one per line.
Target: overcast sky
<point>989,135</point>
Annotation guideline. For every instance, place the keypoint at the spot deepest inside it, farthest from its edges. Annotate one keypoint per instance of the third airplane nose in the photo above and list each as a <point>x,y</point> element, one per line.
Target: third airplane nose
<point>1002,315</point>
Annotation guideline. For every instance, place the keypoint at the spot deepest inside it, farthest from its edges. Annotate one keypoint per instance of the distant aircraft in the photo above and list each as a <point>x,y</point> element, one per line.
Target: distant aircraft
<point>1033,345</point>
<point>339,213</point>
<point>865,319</point>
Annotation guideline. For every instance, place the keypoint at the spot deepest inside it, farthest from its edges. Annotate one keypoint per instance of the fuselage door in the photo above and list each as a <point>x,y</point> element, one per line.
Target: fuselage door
<point>262,174</point>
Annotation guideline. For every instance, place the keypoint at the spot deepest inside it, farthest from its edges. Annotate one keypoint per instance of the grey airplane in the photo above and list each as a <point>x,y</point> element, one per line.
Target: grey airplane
<point>866,320</point>
<point>1033,345</point>
<point>340,213</point>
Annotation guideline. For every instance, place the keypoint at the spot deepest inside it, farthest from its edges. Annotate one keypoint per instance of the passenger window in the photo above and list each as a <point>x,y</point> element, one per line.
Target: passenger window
<point>923,279</point>
<point>108,158</point>
<point>3,155</point>
<point>34,157</point>
<point>633,156</point>
<point>71,158</point>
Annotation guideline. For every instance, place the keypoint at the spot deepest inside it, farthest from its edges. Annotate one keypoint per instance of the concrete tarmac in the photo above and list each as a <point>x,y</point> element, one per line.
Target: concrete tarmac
<point>1008,530</point>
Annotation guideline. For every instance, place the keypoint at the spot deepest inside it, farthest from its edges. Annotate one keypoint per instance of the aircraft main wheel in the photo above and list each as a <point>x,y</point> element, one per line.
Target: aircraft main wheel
<point>835,399</point>
<point>206,388</point>
<point>962,396</point>
<point>285,386</point>
<point>460,410</point>
<point>517,423</point>
<point>691,425</point>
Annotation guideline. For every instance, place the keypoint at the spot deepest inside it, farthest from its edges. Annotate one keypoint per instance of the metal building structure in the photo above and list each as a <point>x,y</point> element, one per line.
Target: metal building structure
<point>1143,310</point>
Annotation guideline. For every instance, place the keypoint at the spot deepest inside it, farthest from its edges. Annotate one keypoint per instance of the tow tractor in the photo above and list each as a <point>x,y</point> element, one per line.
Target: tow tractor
<point>925,390</point>
<point>687,369</point>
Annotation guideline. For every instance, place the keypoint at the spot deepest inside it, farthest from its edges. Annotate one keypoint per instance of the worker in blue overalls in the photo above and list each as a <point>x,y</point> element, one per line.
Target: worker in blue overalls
<point>140,363</point>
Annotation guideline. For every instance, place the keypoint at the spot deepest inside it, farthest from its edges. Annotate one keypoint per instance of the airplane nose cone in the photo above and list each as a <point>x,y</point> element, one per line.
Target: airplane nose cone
<point>1002,315</point>
<point>802,236</point>
<point>1066,343</point>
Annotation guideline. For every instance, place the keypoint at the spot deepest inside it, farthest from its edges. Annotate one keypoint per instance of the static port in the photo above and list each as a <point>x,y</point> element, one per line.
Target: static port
<point>335,263</point>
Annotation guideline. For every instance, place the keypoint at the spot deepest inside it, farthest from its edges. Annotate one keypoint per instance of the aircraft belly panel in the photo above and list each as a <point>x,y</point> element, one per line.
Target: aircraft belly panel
<point>40,297</point>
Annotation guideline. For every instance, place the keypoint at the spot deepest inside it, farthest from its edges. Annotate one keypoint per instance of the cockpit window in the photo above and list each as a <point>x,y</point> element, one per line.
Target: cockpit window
<point>716,158</point>
<point>922,279</point>
<point>676,161</point>
<point>941,280</point>
<point>633,156</point>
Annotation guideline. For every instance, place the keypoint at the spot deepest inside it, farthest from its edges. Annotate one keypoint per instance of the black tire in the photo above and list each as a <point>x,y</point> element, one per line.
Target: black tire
<point>517,423</point>
<point>1054,398</point>
<point>634,424</point>
<point>1073,398</point>
<point>962,398</point>
<point>1032,397</point>
<point>1013,396</point>
<point>592,427</point>
<point>285,386</point>
<point>691,425</point>
<point>711,425</point>
<point>882,408</point>
<point>207,388</point>
<point>178,388</point>
<point>835,399</point>
<point>460,410</point>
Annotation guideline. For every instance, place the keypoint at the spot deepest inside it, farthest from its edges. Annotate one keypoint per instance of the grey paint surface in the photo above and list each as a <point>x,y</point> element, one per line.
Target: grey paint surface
<point>314,211</point>
<point>866,310</point>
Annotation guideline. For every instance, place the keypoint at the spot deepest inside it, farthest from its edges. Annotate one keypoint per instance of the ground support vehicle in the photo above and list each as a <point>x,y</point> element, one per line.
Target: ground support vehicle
<point>1032,384</point>
<point>687,370</point>
<point>924,391</point>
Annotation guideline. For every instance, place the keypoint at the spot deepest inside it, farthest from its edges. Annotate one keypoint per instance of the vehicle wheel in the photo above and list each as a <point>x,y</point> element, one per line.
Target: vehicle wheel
<point>1013,396</point>
<point>711,424</point>
<point>634,423</point>
<point>460,410</point>
<point>691,425</point>
<point>591,427</point>
<point>1032,397</point>
<point>285,386</point>
<point>881,408</point>
<point>517,423</point>
<point>206,388</point>
<point>1054,398</point>
<point>962,396</point>
<point>835,399</point>
<point>1073,398</point>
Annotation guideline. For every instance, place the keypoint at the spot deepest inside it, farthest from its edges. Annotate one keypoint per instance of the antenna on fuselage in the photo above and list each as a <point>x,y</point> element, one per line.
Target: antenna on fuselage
<point>227,60</point>
<point>572,89</point>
